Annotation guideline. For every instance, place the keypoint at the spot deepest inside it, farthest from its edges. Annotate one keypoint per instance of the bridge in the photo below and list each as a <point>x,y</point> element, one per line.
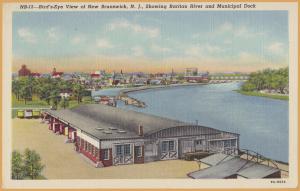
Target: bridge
<point>227,78</point>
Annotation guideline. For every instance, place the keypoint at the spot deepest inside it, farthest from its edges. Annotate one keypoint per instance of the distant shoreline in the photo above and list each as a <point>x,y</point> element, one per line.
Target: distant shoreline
<point>142,88</point>
<point>258,94</point>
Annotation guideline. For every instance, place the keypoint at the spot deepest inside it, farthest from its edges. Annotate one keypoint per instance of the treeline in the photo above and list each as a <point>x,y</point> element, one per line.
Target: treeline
<point>27,165</point>
<point>47,89</point>
<point>268,79</point>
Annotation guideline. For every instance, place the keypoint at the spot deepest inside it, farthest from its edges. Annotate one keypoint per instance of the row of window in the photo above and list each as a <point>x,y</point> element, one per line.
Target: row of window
<point>88,147</point>
<point>224,143</point>
<point>92,149</point>
<point>125,150</point>
<point>121,150</point>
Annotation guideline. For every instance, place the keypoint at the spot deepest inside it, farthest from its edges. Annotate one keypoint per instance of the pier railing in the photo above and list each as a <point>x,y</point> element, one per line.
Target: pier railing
<point>253,156</point>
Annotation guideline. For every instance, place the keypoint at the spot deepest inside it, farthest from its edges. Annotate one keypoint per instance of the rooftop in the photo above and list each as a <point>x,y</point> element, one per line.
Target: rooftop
<point>224,166</point>
<point>106,122</point>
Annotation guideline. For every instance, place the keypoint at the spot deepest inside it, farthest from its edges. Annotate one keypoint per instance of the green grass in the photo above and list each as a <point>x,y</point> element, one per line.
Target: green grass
<point>36,102</point>
<point>248,93</point>
<point>85,100</point>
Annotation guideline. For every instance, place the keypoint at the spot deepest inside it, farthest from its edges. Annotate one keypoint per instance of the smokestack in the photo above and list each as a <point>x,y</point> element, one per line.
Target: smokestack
<point>196,122</point>
<point>141,130</point>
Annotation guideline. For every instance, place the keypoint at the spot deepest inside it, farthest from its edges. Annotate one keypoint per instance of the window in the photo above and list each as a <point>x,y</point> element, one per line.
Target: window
<point>127,150</point>
<point>227,143</point>
<point>85,146</point>
<point>199,142</point>
<point>123,150</point>
<point>96,151</point>
<point>119,150</point>
<point>168,146</point>
<point>105,154</point>
<point>138,151</point>
<point>171,146</point>
<point>89,147</point>
<point>81,143</point>
<point>233,142</point>
<point>92,149</point>
<point>164,147</point>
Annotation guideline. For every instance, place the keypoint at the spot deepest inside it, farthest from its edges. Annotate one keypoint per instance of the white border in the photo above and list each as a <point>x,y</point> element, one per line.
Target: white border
<point>291,182</point>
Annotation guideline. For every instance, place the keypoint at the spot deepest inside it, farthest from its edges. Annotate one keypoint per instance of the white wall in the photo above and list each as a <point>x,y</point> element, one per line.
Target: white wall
<point>88,139</point>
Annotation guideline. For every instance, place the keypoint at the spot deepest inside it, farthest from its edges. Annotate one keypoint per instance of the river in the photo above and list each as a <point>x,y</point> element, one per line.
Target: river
<point>261,122</point>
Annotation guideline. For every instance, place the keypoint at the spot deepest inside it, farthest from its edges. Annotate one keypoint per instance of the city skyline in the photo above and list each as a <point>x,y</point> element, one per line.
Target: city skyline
<point>150,41</point>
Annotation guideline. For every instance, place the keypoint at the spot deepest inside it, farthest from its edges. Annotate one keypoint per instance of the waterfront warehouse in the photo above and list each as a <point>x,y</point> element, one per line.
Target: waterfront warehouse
<point>113,136</point>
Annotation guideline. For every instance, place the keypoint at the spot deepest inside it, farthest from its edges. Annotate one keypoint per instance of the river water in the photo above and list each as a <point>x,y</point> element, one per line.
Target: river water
<point>261,122</point>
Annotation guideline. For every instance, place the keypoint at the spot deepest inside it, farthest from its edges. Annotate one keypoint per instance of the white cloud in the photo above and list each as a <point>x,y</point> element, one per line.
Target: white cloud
<point>151,32</point>
<point>245,56</point>
<point>104,43</point>
<point>196,35</point>
<point>213,49</point>
<point>202,50</point>
<point>225,27</point>
<point>26,35</point>
<point>238,31</point>
<point>227,41</point>
<point>77,40</point>
<point>137,51</point>
<point>53,34</point>
<point>194,51</point>
<point>243,31</point>
<point>276,47</point>
<point>157,48</point>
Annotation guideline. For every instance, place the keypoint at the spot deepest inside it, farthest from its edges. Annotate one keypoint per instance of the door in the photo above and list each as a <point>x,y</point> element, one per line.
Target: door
<point>168,150</point>
<point>123,154</point>
<point>200,145</point>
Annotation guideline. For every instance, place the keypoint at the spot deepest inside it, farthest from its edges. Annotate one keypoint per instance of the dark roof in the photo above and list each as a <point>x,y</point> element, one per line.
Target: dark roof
<point>91,116</point>
<point>234,166</point>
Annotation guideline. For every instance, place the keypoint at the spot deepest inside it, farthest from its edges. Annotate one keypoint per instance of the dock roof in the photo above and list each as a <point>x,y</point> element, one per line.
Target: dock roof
<point>105,122</point>
<point>234,166</point>
<point>92,117</point>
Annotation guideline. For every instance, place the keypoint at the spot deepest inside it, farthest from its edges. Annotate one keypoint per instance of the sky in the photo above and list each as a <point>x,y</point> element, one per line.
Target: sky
<point>150,41</point>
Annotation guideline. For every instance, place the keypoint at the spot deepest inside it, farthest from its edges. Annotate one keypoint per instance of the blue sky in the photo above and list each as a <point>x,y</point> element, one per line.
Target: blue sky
<point>151,40</point>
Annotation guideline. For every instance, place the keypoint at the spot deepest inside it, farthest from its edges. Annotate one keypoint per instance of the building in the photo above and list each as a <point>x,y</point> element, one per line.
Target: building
<point>95,76</point>
<point>106,100</point>
<point>56,74</point>
<point>191,71</point>
<point>35,75</point>
<point>112,136</point>
<point>224,166</point>
<point>24,71</point>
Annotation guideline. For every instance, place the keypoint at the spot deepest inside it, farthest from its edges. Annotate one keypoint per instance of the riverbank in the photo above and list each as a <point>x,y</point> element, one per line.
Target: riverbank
<point>123,94</point>
<point>141,88</point>
<point>272,96</point>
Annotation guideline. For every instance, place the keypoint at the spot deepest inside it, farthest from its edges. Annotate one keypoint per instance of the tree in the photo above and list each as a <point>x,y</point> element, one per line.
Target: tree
<point>55,97</point>
<point>16,85</point>
<point>26,93</point>
<point>268,79</point>
<point>17,166</point>
<point>32,164</point>
<point>248,87</point>
<point>64,102</point>
<point>78,92</point>
<point>44,92</point>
